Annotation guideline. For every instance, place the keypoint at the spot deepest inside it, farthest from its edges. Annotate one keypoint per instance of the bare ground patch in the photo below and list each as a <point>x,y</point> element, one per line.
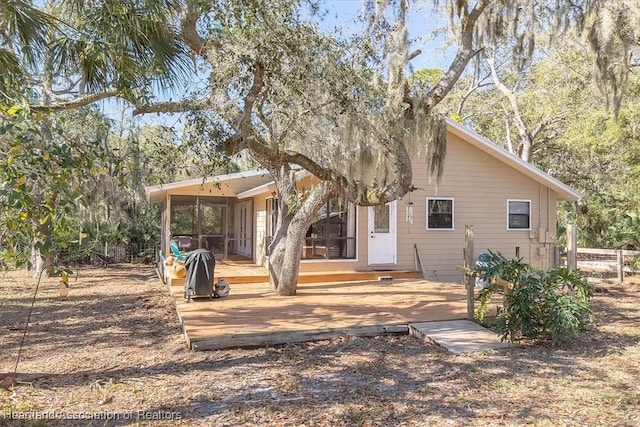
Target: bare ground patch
<point>113,349</point>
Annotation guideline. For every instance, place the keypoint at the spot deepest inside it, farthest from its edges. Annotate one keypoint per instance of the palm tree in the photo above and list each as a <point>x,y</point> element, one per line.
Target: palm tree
<point>66,55</point>
<point>23,29</point>
<point>75,52</point>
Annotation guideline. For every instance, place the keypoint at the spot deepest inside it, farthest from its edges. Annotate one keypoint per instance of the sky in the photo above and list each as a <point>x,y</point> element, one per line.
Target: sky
<point>343,14</point>
<point>423,21</point>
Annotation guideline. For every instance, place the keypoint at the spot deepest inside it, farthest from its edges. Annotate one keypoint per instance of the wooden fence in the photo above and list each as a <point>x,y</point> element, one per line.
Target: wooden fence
<point>611,260</point>
<point>103,254</point>
<point>617,261</point>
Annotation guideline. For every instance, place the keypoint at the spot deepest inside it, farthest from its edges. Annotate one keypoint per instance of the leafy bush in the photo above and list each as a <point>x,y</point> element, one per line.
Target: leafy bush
<point>543,305</point>
<point>498,267</point>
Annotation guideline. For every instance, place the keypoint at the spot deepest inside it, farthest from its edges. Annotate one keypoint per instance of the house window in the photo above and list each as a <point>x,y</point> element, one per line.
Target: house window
<point>439,213</point>
<point>518,214</point>
<point>333,235</point>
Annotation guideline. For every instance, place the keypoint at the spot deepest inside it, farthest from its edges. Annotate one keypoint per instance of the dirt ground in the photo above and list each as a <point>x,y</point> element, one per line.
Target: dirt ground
<point>112,354</point>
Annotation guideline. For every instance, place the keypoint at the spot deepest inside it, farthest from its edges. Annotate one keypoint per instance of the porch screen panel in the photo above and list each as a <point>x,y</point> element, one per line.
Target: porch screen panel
<point>184,216</point>
<point>272,222</point>
<point>212,218</point>
<point>164,236</point>
<point>351,231</point>
<point>337,226</point>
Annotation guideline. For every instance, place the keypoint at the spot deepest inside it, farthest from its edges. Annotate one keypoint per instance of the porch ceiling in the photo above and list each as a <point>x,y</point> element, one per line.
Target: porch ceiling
<point>230,185</point>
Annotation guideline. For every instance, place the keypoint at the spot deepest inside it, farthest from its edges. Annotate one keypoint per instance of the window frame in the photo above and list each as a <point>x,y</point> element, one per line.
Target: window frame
<point>350,242</point>
<point>509,227</point>
<point>453,213</point>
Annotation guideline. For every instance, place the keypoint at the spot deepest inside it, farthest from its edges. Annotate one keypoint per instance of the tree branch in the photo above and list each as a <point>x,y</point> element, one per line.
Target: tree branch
<point>414,54</point>
<point>303,113</point>
<point>463,56</point>
<point>475,84</point>
<point>525,136</point>
<point>265,120</point>
<point>252,95</point>
<point>173,106</point>
<point>188,32</point>
<point>75,103</point>
<point>358,192</point>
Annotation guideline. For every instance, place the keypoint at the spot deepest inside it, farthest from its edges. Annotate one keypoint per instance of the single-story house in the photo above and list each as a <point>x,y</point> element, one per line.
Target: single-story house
<point>511,204</point>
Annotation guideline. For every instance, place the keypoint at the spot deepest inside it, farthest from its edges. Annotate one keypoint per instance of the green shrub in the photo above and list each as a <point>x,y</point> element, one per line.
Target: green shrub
<point>543,305</point>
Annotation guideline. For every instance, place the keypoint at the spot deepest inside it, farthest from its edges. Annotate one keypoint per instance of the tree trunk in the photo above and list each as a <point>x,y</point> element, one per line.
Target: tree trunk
<point>276,261</point>
<point>286,184</point>
<point>286,249</point>
<point>288,280</point>
<point>39,263</point>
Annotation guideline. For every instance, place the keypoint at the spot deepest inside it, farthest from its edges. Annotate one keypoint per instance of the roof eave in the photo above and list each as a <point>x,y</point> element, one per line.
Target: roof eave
<point>270,187</point>
<point>156,193</point>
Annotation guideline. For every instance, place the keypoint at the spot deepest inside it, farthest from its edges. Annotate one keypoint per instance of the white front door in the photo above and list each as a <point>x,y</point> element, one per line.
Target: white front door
<point>382,234</point>
<point>243,228</point>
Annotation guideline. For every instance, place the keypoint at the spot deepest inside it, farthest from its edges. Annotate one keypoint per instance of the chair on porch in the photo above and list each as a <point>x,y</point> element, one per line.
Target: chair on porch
<point>175,250</point>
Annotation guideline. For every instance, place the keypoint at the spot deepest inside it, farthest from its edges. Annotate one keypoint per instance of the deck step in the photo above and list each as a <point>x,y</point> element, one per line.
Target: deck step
<point>457,336</point>
<point>276,338</point>
<point>338,276</point>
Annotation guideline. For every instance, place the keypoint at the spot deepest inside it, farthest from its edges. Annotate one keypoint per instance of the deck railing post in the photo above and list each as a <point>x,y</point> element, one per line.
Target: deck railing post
<point>620,266</point>
<point>572,247</point>
<point>468,263</point>
<point>556,257</point>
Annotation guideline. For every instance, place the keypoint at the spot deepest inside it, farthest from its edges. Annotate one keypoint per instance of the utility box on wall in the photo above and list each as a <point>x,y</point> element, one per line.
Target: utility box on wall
<point>550,237</point>
<point>546,236</point>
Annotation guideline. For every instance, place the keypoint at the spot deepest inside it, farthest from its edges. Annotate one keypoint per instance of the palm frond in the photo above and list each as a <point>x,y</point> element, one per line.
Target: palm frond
<point>11,78</point>
<point>123,43</point>
<point>27,27</point>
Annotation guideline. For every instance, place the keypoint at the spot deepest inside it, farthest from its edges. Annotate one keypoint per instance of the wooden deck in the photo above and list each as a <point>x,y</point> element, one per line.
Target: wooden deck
<point>253,315</point>
<point>241,271</point>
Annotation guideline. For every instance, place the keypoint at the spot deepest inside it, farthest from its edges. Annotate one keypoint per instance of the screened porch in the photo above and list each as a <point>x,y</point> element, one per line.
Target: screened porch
<point>222,225</point>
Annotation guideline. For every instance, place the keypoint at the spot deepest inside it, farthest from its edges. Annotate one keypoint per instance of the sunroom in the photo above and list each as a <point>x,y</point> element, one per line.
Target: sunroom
<point>207,214</point>
<point>234,216</point>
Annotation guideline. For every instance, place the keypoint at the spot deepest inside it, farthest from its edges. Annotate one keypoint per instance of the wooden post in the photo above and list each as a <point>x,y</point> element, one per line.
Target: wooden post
<point>468,263</point>
<point>572,247</point>
<point>620,266</point>
<point>166,250</point>
<point>225,234</point>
